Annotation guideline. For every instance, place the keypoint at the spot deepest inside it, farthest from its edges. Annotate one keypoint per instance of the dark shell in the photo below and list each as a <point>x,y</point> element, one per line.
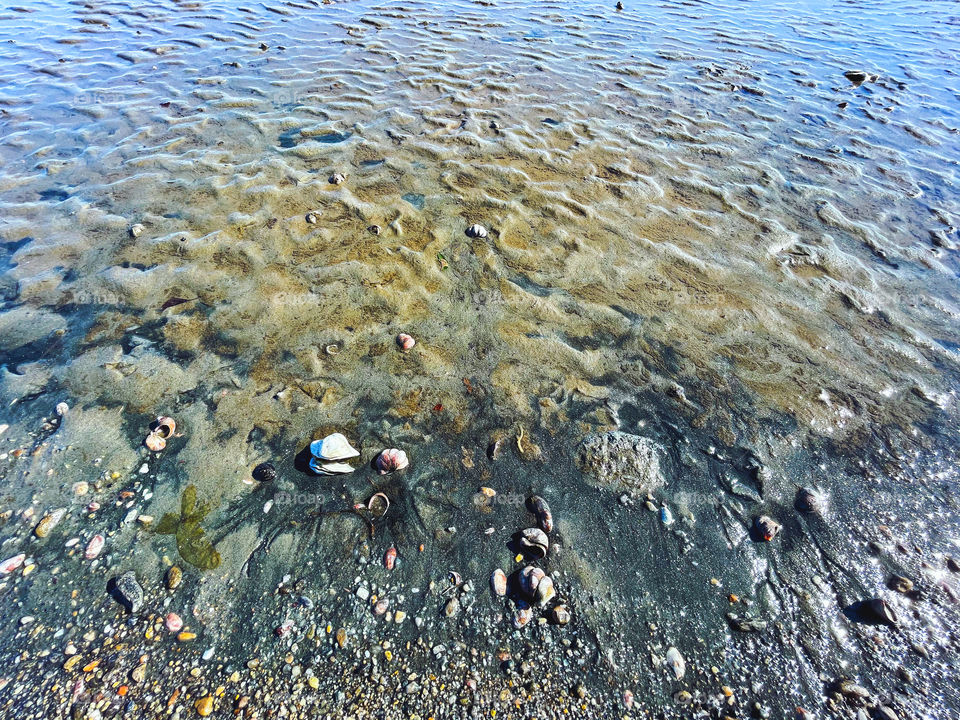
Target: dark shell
<point>538,506</point>
<point>807,501</point>
<point>880,611</point>
<point>766,528</point>
<point>265,472</point>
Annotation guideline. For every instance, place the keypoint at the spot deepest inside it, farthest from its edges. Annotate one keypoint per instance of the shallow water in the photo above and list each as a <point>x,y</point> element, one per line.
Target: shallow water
<point>700,232</point>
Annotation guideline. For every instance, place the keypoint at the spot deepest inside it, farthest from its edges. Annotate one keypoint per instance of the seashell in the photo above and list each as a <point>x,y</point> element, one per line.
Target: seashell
<point>390,460</point>
<point>174,577</point>
<point>378,503</point>
<point>766,528</point>
<point>538,506</point>
<point>62,409</point>
<point>264,472</point>
<point>534,540</point>
<point>545,591</point>
<point>476,231</point>
<point>283,628</point>
<point>488,492</point>
<point>498,582</point>
<point>808,501</point>
<point>881,612</point>
<point>11,564</point>
<point>381,607</point>
<point>666,517</point>
<point>166,427</point>
<point>330,468</point>
<point>341,637</point>
<point>452,607</point>
<point>154,442</point>
<point>333,447</point>
<point>389,558</point>
<point>173,623</point>
<point>312,218</point>
<point>406,342</point>
<point>332,349</point>
<point>560,615</point>
<point>136,230</point>
<point>530,578</point>
<point>48,522</point>
<point>94,547</point>
<point>375,229</point>
<point>523,615</point>
<point>676,662</point>
<point>337,179</point>
<point>900,584</point>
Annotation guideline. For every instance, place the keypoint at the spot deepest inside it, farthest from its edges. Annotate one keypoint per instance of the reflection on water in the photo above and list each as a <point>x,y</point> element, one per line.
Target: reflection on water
<point>699,232</point>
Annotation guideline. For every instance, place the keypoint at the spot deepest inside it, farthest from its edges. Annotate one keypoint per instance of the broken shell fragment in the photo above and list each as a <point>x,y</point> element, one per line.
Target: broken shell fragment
<point>381,607</point>
<point>379,504</point>
<point>766,528</point>
<point>498,582</point>
<point>406,342</point>
<point>900,584</point>
<point>334,468</point>
<point>154,442</point>
<point>452,607</point>
<point>538,506</point>
<point>534,541</point>
<point>560,615</point>
<point>390,460</point>
<point>375,229</point>
<point>476,231</point>
<point>337,179</point>
<point>333,447</point>
<point>265,472</point>
<point>312,218</point>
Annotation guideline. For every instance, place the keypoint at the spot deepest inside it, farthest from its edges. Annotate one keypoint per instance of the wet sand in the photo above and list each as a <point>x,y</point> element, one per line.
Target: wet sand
<point>698,232</point>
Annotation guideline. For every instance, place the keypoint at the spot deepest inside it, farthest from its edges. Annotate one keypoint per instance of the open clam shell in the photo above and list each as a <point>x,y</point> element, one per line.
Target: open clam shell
<point>330,468</point>
<point>534,542</point>
<point>332,448</point>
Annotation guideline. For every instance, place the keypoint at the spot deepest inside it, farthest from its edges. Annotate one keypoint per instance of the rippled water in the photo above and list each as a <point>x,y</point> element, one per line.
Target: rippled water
<point>700,232</point>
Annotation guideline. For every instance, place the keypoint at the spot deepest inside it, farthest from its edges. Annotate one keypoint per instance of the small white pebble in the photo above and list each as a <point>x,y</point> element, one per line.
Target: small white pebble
<point>144,469</point>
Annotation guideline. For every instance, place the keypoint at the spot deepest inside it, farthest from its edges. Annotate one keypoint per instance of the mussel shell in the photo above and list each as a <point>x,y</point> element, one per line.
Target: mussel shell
<point>535,541</point>
<point>538,506</point>
<point>265,472</point>
<point>530,578</point>
<point>881,612</point>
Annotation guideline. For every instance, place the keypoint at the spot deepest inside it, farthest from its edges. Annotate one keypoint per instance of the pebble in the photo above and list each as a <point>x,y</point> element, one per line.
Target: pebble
<point>136,230</point>
<point>204,706</point>
<point>62,409</point>
<point>128,591</point>
<point>337,179</point>
<point>174,576</point>
<point>312,218</point>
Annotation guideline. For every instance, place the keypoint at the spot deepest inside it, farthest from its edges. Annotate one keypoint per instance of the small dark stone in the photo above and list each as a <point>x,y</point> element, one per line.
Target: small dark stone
<point>807,501</point>
<point>953,565</point>
<point>127,591</point>
<point>265,472</point>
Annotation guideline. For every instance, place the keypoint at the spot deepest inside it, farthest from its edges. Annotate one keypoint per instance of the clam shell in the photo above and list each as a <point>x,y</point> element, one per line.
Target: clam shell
<point>498,582</point>
<point>154,442</point>
<point>334,468</point>
<point>523,615</point>
<point>390,460</point>
<point>333,447</point>
<point>94,547</point>
<point>530,579</point>
<point>406,342</point>
<point>676,662</point>
<point>545,591</point>
<point>11,564</point>
<point>535,541</point>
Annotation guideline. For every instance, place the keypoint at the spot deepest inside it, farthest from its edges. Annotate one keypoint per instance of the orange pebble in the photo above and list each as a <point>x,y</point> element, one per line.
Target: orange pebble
<point>733,598</point>
<point>122,690</point>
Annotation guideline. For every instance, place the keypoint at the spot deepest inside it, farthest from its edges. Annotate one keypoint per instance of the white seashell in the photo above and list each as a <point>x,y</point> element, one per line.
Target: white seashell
<point>676,662</point>
<point>476,231</point>
<point>94,547</point>
<point>390,460</point>
<point>322,468</point>
<point>11,564</point>
<point>333,447</point>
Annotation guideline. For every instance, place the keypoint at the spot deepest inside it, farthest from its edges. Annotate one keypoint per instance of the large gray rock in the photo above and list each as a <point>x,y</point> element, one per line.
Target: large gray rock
<point>127,591</point>
<point>621,461</point>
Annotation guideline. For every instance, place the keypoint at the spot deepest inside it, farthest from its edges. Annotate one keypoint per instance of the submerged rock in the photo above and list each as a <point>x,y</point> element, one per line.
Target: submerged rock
<point>127,591</point>
<point>618,459</point>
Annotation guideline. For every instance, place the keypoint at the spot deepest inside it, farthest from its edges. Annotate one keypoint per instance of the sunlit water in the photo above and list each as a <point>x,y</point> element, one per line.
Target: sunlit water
<point>699,231</point>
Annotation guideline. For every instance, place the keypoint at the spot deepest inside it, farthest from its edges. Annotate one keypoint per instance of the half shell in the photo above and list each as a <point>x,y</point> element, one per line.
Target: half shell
<point>333,447</point>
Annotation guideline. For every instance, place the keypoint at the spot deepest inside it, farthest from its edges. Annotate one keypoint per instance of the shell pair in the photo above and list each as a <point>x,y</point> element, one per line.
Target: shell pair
<point>163,430</point>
